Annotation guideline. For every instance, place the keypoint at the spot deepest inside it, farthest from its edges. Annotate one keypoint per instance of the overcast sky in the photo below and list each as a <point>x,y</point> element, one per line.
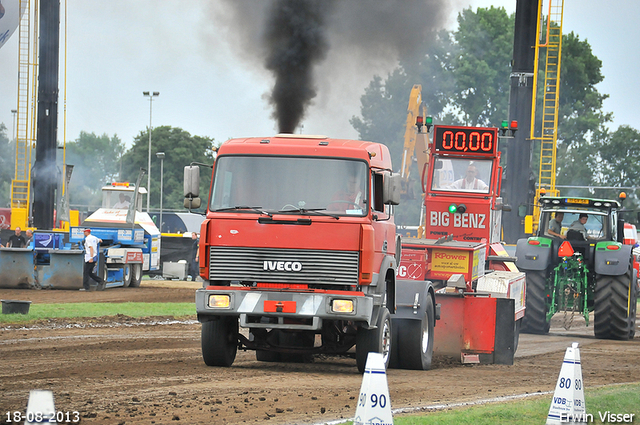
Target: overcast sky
<point>210,87</point>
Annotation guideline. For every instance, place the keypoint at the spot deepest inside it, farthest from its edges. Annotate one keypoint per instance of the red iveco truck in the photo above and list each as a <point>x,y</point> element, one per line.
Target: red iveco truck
<point>298,249</point>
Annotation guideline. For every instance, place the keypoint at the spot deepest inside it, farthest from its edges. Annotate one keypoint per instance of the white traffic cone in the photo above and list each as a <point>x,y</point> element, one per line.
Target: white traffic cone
<point>374,404</point>
<point>567,405</point>
<point>40,408</point>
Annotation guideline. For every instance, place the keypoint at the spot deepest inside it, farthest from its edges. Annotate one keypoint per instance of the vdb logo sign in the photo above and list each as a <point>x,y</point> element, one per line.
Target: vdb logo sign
<point>282,266</point>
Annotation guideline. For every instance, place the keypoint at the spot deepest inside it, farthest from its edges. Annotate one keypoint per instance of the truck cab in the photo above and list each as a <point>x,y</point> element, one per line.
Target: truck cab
<point>298,241</point>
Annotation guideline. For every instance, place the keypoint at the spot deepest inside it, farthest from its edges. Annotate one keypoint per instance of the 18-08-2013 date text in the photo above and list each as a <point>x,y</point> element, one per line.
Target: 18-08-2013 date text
<point>40,417</point>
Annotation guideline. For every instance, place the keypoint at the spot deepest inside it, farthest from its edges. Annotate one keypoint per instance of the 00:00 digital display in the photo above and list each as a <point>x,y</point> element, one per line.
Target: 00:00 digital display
<point>465,139</point>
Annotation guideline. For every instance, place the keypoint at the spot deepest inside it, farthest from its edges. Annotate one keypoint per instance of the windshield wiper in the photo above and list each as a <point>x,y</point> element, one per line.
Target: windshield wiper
<point>310,211</point>
<point>244,207</point>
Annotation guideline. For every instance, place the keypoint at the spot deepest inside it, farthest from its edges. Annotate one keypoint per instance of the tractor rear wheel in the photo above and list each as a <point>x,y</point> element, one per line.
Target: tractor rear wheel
<point>535,316</point>
<point>634,311</point>
<point>611,306</point>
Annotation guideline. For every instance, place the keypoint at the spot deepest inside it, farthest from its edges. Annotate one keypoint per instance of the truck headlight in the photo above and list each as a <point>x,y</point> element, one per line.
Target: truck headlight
<point>219,301</point>
<point>342,306</point>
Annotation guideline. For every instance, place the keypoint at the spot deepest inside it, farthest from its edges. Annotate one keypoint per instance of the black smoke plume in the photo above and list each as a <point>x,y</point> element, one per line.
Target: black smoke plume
<point>296,40</point>
<point>293,37</point>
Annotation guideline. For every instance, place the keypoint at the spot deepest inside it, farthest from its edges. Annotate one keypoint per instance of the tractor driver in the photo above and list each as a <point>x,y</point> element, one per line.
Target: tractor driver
<point>578,226</point>
<point>555,225</point>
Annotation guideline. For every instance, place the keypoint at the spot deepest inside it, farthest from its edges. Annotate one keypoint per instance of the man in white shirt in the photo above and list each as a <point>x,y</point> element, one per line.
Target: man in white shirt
<point>122,203</point>
<point>470,181</point>
<point>90,259</point>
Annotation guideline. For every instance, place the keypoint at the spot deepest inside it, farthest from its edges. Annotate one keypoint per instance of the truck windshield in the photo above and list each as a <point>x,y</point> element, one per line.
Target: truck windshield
<point>461,175</point>
<point>290,185</point>
<point>118,199</point>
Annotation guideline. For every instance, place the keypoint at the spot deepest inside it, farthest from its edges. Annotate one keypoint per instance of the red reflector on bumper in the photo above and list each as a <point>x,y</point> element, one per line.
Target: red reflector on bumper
<point>279,306</point>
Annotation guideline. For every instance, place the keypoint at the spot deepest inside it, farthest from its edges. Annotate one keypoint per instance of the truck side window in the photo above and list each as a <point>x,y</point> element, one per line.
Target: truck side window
<point>377,180</point>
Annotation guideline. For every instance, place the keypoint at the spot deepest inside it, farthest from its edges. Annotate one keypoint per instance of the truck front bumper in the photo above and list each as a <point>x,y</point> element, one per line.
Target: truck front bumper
<point>277,309</point>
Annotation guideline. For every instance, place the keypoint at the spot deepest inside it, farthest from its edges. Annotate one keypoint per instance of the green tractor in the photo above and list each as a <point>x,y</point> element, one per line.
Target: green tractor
<point>577,263</point>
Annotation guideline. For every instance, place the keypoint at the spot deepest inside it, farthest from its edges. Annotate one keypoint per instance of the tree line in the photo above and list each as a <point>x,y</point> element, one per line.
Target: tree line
<point>101,160</point>
<point>465,77</point>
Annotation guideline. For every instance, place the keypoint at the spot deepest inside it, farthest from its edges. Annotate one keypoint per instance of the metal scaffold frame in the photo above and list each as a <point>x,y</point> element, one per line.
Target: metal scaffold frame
<point>26,113</point>
<point>545,130</point>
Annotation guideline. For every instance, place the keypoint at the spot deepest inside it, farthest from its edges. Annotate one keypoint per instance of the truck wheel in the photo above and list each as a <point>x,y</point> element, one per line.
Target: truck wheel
<point>415,340</point>
<point>136,275</point>
<point>535,316</point>
<point>612,319</point>
<point>219,340</point>
<point>376,340</point>
<point>126,275</point>
<point>104,274</point>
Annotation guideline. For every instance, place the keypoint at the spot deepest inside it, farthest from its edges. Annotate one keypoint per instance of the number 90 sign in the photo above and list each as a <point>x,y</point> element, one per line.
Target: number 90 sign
<point>467,140</point>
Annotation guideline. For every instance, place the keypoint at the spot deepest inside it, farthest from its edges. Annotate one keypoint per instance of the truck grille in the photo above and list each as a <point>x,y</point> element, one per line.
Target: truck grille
<point>311,267</point>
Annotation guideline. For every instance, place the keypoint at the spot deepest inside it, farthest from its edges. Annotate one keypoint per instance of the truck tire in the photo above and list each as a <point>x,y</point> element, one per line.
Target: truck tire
<point>376,340</point>
<point>415,340</point>
<point>219,340</point>
<point>126,275</point>
<point>136,275</point>
<point>612,319</point>
<point>535,316</point>
<point>102,271</point>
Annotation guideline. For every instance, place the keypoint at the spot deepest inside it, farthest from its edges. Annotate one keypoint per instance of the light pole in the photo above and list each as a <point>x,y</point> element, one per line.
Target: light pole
<point>13,131</point>
<point>150,95</point>
<point>160,155</point>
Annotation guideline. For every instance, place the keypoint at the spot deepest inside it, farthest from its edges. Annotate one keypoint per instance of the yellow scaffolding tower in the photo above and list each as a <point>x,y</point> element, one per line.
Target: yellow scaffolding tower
<point>26,113</point>
<point>548,131</point>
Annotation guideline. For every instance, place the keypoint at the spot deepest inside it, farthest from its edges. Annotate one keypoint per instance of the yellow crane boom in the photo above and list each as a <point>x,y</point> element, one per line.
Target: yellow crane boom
<point>415,142</point>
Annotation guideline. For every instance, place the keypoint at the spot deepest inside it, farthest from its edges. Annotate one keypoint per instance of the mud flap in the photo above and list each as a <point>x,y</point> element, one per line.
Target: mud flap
<point>475,329</point>
<point>505,329</point>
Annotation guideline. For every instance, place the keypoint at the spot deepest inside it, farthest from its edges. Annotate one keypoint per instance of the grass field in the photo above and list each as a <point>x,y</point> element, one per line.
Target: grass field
<point>615,400</point>
<point>78,310</point>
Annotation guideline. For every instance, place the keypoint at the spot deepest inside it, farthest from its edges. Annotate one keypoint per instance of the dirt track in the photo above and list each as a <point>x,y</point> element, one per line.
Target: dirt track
<point>125,371</point>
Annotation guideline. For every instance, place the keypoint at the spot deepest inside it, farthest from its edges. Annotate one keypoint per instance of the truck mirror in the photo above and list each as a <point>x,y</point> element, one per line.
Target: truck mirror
<point>391,190</point>
<point>191,182</point>
<point>192,203</point>
<point>638,216</point>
